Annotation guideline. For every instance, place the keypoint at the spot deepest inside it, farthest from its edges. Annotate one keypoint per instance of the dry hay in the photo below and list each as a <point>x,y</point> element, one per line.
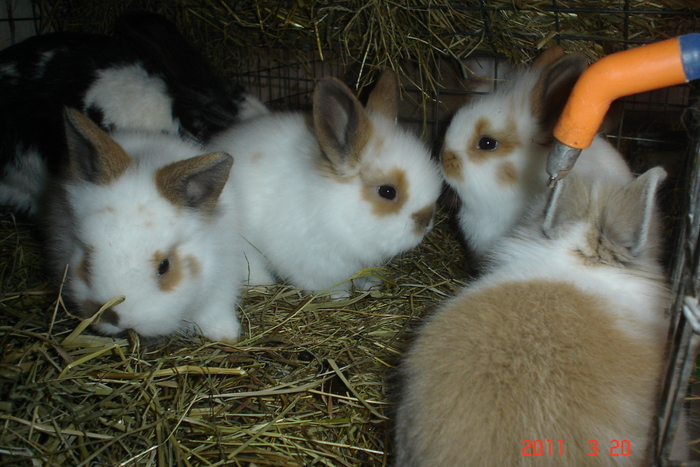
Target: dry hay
<point>306,385</point>
<point>413,37</point>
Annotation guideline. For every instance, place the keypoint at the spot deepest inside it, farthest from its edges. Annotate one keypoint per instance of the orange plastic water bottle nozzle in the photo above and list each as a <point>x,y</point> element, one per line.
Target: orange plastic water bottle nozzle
<point>652,66</point>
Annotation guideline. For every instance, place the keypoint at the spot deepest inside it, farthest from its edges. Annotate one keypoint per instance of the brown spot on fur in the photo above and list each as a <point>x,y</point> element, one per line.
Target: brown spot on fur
<point>89,307</point>
<point>506,174</point>
<point>377,145</point>
<point>256,157</point>
<point>173,276</point>
<point>423,218</point>
<point>507,140</point>
<point>374,179</point>
<point>193,265</point>
<point>451,165</point>
<point>110,316</point>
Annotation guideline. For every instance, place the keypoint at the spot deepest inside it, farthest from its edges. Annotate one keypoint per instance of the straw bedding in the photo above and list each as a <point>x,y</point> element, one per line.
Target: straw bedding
<point>308,382</point>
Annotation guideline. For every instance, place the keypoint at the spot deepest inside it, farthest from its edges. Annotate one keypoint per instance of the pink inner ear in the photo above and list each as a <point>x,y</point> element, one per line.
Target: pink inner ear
<point>548,56</point>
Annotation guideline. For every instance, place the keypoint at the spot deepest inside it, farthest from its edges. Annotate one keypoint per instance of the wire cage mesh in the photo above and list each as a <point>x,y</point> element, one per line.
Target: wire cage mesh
<point>656,128</point>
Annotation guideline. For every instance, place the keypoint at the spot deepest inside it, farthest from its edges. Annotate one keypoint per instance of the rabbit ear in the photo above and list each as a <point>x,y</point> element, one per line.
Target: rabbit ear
<point>547,57</point>
<point>196,182</point>
<point>554,86</point>
<point>567,201</point>
<point>93,155</point>
<point>384,98</point>
<point>341,123</point>
<point>630,214</point>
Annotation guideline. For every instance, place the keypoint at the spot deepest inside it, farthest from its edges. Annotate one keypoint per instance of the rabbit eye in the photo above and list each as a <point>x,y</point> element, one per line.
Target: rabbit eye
<point>387,192</point>
<point>163,267</point>
<point>487,144</point>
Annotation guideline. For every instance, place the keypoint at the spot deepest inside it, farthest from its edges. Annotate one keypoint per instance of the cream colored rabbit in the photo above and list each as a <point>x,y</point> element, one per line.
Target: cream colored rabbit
<point>557,350</point>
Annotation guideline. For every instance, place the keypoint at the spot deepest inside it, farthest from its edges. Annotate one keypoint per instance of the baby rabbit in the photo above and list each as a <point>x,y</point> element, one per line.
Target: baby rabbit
<point>562,342</point>
<point>496,147</point>
<point>151,217</point>
<point>326,195</point>
<point>145,77</point>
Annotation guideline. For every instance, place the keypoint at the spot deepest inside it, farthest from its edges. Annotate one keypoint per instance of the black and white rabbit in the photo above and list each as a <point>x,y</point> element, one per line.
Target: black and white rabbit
<point>562,339</point>
<point>146,76</point>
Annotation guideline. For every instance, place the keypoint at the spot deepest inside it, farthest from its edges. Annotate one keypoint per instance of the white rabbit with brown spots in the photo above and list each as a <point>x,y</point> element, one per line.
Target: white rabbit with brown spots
<point>323,196</point>
<point>496,147</point>
<point>563,338</point>
<point>151,217</point>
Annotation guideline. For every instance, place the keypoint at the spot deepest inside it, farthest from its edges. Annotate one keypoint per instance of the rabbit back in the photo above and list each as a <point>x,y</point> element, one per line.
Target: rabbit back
<point>495,368</point>
<point>563,338</point>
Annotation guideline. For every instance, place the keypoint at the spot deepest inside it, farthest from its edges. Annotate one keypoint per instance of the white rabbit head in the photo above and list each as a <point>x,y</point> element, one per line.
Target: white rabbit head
<point>364,148</point>
<point>141,215</point>
<point>496,146</point>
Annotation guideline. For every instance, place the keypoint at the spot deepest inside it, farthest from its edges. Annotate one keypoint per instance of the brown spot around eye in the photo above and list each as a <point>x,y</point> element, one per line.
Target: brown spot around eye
<point>422,218</point>
<point>507,140</point>
<point>451,165</point>
<point>507,174</point>
<point>168,281</point>
<point>380,206</point>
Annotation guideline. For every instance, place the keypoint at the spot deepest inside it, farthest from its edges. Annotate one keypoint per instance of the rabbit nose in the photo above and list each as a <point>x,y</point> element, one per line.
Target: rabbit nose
<point>109,316</point>
<point>423,219</point>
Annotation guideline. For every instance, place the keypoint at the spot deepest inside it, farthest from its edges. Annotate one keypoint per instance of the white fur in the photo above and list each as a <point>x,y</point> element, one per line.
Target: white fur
<point>23,181</point>
<point>130,98</point>
<point>251,107</point>
<point>489,209</point>
<point>9,70</point>
<point>125,222</point>
<point>307,227</point>
<point>637,301</point>
<point>44,60</point>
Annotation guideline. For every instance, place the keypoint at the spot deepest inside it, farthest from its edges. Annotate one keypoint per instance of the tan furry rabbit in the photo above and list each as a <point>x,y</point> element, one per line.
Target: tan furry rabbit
<point>555,355</point>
